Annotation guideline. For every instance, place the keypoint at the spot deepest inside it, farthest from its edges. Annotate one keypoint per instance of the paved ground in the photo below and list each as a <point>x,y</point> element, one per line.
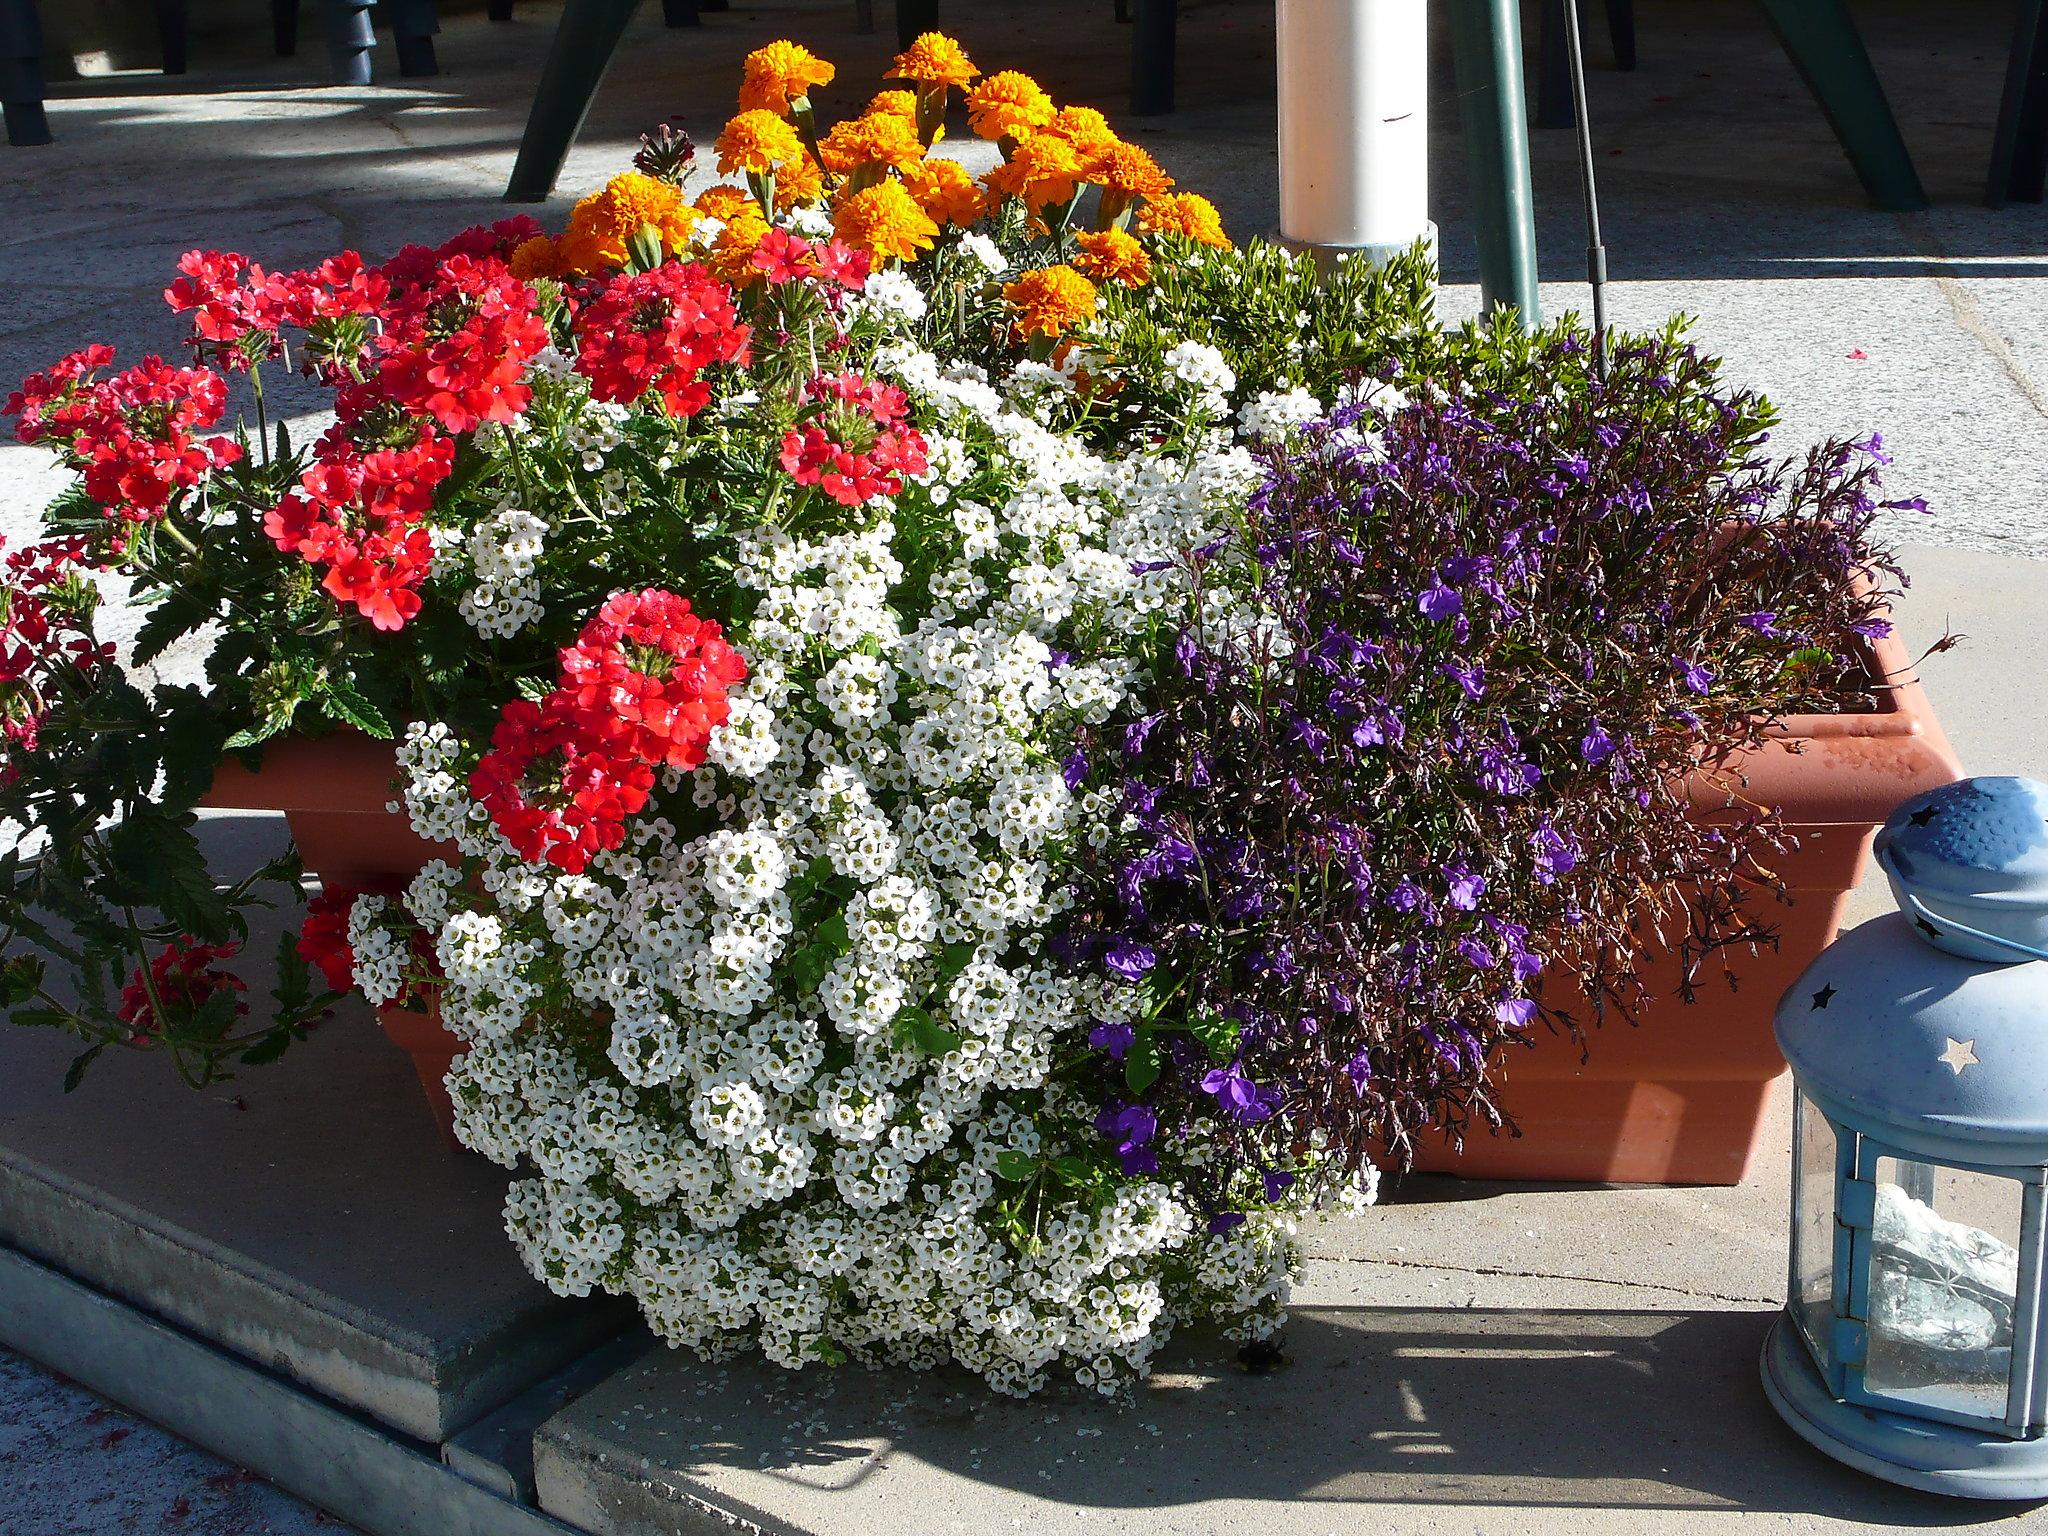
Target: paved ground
<point>1724,196</point>
<point>73,1466</point>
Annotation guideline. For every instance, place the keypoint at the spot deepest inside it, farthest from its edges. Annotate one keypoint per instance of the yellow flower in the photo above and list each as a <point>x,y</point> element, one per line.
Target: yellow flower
<point>731,254</point>
<point>1183,213</point>
<point>1051,301</point>
<point>946,192</point>
<point>1110,255</point>
<point>1008,105</point>
<point>1084,128</point>
<point>1128,171</point>
<point>602,226</point>
<point>779,74</point>
<point>1042,170</point>
<point>893,104</point>
<point>757,141</point>
<point>885,221</point>
<point>879,140</point>
<point>723,201</point>
<point>934,60</point>
<point>539,257</point>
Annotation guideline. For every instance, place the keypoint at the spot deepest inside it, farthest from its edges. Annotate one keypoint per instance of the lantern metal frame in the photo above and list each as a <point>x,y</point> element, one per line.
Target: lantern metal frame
<point>1854,1198</point>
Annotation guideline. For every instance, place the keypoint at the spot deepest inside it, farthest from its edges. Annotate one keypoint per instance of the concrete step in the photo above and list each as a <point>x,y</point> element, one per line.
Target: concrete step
<point>305,1217</point>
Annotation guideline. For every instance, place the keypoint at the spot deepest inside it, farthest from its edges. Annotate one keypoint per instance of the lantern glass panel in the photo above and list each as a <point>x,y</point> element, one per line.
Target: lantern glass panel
<point>1813,1235</point>
<point>1944,1271</point>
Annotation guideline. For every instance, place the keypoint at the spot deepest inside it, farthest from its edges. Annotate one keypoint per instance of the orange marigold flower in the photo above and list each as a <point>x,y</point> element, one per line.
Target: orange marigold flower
<point>757,141</point>
<point>885,221</point>
<point>1112,256</point>
<point>798,183</point>
<point>731,256</point>
<point>879,139</point>
<point>1008,105</point>
<point>1084,128</point>
<point>1051,301</point>
<point>1043,170</point>
<point>946,191</point>
<point>781,73</point>
<point>602,226</point>
<point>893,104</point>
<point>934,60</point>
<point>1184,213</point>
<point>1129,171</point>
<point>539,257</point>
<point>723,201</point>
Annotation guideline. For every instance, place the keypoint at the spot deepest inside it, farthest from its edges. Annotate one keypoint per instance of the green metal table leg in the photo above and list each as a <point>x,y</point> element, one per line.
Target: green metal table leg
<point>585,40</point>
<point>1486,36</point>
<point>1821,40</point>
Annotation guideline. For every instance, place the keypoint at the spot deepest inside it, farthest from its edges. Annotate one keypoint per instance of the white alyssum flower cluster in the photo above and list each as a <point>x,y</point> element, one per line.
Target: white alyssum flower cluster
<point>782,1067</point>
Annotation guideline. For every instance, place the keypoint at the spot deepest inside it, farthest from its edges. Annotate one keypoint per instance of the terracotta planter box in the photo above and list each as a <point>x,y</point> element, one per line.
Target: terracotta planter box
<point>334,793</point>
<point>1679,1098</point>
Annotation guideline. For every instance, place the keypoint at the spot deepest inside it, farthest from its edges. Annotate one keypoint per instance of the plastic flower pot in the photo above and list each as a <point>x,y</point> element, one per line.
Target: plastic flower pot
<point>335,794</point>
<point>1679,1098</point>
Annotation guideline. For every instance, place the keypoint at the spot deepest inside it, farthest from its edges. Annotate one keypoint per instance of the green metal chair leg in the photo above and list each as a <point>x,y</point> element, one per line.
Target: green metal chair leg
<point>1486,38</point>
<point>2019,152</point>
<point>585,40</point>
<point>1821,40</point>
<point>914,18</point>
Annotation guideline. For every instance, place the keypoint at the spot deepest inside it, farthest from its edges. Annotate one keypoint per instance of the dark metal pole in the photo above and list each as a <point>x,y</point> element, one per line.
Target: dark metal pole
<point>1596,253</point>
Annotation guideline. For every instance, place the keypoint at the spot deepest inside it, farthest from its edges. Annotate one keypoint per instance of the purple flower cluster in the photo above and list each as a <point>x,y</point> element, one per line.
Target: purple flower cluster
<point>1426,790</point>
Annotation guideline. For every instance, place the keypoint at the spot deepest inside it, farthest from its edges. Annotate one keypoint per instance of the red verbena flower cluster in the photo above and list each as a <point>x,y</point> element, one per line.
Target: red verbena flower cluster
<point>658,330</point>
<point>44,606</point>
<point>132,436</point>
<point>857,445</point>
<point>323,937</point>
<point>360,506</point>
<point>642,688</point>
<point>650,677</point>
<point>786,258</point>
<point>184,975</point>
<point>455,345</point>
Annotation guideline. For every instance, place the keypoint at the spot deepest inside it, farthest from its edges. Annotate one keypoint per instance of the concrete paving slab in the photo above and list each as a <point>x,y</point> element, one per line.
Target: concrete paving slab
<point>306,1216</point>
<point>1545,1417</point>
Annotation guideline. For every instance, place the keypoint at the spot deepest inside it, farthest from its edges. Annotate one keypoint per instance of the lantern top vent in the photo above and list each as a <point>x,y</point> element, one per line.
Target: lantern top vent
<point>1968,864</point>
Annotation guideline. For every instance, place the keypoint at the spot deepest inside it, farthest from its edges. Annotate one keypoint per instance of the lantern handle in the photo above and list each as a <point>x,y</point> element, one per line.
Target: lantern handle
<point>1996,940</point>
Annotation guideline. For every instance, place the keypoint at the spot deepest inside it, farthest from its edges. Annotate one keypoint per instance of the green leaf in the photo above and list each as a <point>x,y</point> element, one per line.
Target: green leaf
<point>920,1029</point>
<point>807,967</point>
<point>1017,1167</point>
<point>41,1018</point>
<point>1217,1034</point>
<point>19,979</point>
<point>158,860</point>
<point>294,987</point>
<point>829,1352</point>
<point>1073,1170</point>
<point>75,1073</point>
<point>268,1049</point>
<point>339,700</point>
<point>1141,1063</point>
<point>954,959</point>
<point>832,935</point>
<point>177,614</point>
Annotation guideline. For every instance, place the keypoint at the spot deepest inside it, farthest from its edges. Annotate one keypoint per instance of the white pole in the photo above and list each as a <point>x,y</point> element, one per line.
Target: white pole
<point>1354,124</point>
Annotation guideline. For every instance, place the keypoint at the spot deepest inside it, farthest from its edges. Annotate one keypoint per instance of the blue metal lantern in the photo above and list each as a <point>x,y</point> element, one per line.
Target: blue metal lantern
<point>1914,1343</point>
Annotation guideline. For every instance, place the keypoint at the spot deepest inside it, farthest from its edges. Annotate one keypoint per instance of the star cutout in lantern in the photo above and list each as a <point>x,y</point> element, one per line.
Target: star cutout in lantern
<point>1960,1054</point>
<point>1824,996</point>
<point>1924,815</point>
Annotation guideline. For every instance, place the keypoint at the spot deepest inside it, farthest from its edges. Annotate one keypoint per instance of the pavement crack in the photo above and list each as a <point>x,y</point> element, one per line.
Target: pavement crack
<point>1963,304</point>
<point>1502,1272</point>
